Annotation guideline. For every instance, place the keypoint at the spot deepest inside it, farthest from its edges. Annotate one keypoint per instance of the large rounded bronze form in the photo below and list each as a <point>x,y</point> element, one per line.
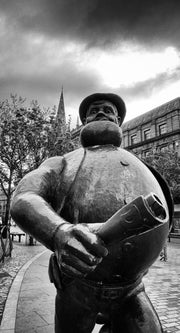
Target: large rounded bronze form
<point>109,178</point>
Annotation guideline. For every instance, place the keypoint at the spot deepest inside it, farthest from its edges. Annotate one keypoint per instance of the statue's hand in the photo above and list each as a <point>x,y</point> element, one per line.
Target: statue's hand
<point>78,250</point>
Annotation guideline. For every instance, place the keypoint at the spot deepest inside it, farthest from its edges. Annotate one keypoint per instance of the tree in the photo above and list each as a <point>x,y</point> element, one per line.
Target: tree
<point>62,142</point>
<point>27,138</point>
<point>167,163</point>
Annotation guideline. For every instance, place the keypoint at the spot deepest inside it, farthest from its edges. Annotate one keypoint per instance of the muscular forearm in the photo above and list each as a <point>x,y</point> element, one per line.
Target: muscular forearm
<point>31,205</point>
<point>36,217</point>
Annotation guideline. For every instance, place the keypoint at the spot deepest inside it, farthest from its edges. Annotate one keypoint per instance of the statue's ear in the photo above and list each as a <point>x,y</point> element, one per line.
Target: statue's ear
<point>84,120</point>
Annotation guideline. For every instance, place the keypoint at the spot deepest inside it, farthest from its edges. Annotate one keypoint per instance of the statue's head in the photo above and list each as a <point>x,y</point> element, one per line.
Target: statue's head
<point>102,106</point>
<point>102,114</point>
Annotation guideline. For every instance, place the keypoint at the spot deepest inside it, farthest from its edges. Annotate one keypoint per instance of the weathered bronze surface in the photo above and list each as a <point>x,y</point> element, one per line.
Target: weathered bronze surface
<point>65,204</point>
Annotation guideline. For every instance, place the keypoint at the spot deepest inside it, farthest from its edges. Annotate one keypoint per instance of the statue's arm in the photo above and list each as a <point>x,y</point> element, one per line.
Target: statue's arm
<point>31,207</point>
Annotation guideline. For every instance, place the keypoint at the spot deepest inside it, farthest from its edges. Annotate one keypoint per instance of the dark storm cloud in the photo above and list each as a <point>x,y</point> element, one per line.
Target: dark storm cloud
<point>45,85</point>
<point>98,21</point>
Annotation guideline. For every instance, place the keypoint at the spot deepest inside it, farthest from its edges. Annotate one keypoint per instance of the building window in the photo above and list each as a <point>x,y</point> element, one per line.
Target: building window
<point>147,134</point>
<point>162,128</point>
<point>133,139</point>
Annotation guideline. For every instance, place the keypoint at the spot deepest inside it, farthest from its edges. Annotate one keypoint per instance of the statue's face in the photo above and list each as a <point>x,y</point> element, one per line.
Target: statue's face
<point>102,110</point>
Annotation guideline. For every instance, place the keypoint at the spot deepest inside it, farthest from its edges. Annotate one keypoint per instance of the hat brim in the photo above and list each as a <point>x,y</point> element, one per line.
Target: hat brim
<point>113,98</point>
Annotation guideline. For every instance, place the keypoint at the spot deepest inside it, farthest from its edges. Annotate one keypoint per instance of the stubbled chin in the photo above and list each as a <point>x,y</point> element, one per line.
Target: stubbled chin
<point>101,132</point>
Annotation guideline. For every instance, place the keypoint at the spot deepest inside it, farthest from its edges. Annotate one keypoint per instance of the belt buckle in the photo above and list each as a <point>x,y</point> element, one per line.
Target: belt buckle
<point>111,293</point>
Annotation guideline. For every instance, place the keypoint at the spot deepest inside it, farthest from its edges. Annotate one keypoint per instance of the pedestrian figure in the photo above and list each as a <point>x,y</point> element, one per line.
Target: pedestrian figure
<point>163,254</point>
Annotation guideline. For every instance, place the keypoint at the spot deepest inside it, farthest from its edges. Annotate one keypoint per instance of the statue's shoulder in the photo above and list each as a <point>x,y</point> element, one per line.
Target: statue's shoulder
<point>129,155</point>
<point>74,156</point>
<point>55,163</point>
<point>76,152</point>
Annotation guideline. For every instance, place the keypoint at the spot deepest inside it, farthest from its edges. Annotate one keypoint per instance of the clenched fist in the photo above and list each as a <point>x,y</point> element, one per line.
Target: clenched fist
<point>78,250</point>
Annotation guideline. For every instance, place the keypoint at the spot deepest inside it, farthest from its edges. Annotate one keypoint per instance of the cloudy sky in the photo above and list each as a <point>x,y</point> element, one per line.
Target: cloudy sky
<point>127,47</point>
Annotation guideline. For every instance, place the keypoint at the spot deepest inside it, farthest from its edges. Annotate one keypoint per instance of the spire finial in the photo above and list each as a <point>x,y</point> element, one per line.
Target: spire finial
<point>60,116</point>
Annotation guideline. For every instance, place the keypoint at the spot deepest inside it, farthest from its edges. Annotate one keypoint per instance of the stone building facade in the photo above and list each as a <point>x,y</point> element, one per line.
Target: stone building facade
<point>157,129</point>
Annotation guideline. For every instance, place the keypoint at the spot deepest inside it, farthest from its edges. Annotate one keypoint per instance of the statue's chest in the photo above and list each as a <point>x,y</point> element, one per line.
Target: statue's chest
<point>103,181</point>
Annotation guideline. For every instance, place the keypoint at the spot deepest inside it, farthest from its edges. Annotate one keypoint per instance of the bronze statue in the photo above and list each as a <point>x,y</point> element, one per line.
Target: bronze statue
<point>65,204</point>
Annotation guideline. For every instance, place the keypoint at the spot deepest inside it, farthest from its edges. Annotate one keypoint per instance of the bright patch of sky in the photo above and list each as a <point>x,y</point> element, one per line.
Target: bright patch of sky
<point>141,105</point>
<point>127,66</point>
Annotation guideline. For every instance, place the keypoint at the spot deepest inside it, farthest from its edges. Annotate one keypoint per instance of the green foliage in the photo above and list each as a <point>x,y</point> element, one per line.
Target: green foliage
<point>167,163</point>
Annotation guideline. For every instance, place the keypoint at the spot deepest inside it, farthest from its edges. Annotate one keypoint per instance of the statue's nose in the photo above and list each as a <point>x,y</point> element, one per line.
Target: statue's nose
<point>100,112</point>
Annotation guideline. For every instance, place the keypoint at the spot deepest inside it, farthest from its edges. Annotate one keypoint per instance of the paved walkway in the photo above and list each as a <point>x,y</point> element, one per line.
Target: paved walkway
<point>30,304</point>
<point>21,254</point>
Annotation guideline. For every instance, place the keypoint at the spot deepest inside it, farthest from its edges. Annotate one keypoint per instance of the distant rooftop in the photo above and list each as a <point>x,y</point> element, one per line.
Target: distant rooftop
<point>152,114</point>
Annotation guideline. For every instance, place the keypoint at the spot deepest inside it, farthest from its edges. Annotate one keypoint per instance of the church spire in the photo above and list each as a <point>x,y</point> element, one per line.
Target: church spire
<point>60,116</point>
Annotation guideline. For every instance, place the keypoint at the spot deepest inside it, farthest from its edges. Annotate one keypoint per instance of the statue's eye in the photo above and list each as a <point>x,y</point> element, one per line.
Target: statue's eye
<point>93,111</point>
<point>107,109</point>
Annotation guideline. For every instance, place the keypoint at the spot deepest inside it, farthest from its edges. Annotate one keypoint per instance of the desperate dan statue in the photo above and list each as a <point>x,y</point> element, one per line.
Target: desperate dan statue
<point>105,215</point>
